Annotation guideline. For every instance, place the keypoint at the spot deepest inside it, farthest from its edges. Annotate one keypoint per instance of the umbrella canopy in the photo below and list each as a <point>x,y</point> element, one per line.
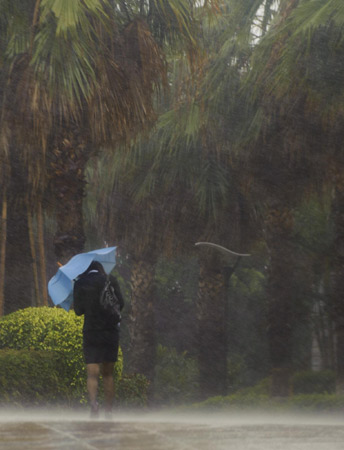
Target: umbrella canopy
<point>60,286</point>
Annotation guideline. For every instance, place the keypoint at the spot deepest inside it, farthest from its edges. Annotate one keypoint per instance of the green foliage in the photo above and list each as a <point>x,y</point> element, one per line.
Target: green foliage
<point>312,14</point>
<point>311,382</point>
<point>248,282</point>
<point>249,400</point>
<point>313,230</point>
<point>70,15</point>
<point>248,356</point>
<point>175,377</point>
<point>257,396</point>
<point>239,400</point>
<point>178,274</point>
<point>52,330</point>
<point>31,377</point>
<point>307,64</point>
<point>318,402</point>
<point>132,391</point>
<point>237,372</point>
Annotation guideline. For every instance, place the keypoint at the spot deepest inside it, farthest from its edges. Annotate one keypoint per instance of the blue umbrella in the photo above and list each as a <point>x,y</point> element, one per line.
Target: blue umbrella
<point>60,286</point>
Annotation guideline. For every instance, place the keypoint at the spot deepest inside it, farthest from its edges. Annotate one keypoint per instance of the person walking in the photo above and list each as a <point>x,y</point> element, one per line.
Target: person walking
<point>100,333</point>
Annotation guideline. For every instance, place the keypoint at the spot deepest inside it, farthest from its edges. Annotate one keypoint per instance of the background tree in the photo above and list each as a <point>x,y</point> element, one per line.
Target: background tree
<point>184,196</point>
<point>75,77</point>
<point>246,152</point>
<point>295,135</point>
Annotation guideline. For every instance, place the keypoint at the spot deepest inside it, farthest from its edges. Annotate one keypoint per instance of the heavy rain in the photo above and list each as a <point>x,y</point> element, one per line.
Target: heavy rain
<point>172,224</point>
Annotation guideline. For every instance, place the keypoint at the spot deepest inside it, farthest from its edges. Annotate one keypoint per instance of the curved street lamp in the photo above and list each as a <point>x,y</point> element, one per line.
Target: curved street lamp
<point>228,270</point>
<point>222,249</point>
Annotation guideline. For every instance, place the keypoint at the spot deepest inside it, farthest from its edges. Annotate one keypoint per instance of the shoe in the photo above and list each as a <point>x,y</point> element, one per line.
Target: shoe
<point>94,411</point>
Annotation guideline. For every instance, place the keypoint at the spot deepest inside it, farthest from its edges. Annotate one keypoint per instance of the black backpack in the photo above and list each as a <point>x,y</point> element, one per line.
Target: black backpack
<point>109,301</point>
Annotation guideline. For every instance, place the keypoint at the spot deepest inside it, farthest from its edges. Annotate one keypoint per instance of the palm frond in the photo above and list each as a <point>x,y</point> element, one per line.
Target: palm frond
<point>72,15</point>
<point>312,14</point>
<point>172,19</point>
<point>298,64</point>
<point>15,25</point>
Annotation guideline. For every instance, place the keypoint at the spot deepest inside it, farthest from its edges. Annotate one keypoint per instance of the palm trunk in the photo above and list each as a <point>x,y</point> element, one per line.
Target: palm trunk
<point>41,250</point>
<point>279,225</point>
<point>338,282</point>
<point>142,334</point>
<point>34,258</point>
<point>3,250</point>
<point>212,326</point>
<point>68,184</point>
<point>18,280</point>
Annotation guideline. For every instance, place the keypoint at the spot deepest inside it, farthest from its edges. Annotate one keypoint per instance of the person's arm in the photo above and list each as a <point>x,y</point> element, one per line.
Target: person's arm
<point>79,308</point>
<point>118,292</point>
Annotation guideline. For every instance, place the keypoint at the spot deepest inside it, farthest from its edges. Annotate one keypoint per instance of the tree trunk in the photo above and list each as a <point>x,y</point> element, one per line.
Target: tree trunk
<point>69,159</point>
<point>18,281</point>
<point>212,320</point>
<point>41,252</point>
<point>34,258</point>
<point>3,250</point>
<point>142,327</point>
<point>279,225</point>
<point>323,325</point>
<point>338,282</point>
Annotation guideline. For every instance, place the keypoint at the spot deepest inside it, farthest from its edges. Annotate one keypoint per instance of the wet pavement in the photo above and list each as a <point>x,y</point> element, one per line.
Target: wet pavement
<point>167,431</point>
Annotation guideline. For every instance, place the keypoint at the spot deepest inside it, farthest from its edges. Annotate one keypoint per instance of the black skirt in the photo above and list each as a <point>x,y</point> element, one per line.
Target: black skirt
<point>100,346</point>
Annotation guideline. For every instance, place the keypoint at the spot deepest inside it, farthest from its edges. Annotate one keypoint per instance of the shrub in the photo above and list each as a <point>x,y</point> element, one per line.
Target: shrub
<point>132,391</point>
<point>30,377</point>
<point>255,396</point>
<point>52,330</point>
<point>249,401</point>
<point>176,377</point>
<point>234,401</point>
<point>311,382</point>
<point>318,402</point>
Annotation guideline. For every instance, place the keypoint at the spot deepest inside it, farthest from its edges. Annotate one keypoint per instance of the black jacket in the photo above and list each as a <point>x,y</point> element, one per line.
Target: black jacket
<point>87,291</point>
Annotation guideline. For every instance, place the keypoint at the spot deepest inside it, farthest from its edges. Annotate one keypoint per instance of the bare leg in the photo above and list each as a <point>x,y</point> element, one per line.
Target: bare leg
<point>93,371</point>
<point>107,372</point>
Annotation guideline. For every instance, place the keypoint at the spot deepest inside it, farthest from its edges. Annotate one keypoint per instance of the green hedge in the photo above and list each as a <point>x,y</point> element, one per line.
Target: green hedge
<point>31,377</point>
<point>318,402</point>
<point>50,330</point>
<point>131,391</point>
<point>176,377</point>
<point>258,397</point>
<point>245,401</point>
<point>312,382</point>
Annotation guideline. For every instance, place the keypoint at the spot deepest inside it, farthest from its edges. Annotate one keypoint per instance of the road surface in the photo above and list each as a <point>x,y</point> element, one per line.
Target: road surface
<point>49,429</point>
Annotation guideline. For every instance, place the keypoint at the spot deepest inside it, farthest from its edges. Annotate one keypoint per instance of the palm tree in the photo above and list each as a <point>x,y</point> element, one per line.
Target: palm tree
<point>78,76</point>
<point>314,232</point>
<point>135,211</point>
<point>290,124</point>
<point>74,78</point>
<point>296,132</point>
<point>3,229</point>
<point>205,128</point>
<point>173,191</point>
<point>196,182</point>
<point>204,180</point>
